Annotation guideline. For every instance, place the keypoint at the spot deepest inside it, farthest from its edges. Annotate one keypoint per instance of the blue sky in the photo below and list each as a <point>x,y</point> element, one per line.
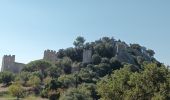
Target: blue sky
<point>28,27</point>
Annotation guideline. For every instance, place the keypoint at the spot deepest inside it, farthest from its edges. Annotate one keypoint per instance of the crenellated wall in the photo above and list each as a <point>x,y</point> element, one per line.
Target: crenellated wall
<point>50,55</point>
<point>9,64</point>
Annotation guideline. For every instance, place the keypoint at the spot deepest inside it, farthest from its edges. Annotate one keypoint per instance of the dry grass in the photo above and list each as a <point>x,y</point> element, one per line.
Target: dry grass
<point>3,89</point>
<point>34,98</point>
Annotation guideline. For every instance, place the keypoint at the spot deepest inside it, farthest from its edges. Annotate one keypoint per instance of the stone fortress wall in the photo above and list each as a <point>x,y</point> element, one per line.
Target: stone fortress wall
<point>87,56</point>
<point>9,64</point>
<point>50,55</point>
<point>120,48</point>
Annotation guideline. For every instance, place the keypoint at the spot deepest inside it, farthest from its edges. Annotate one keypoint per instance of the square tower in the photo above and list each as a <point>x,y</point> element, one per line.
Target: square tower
<point>50,55</point>
<point>87,56</point>
<point>8,62</point>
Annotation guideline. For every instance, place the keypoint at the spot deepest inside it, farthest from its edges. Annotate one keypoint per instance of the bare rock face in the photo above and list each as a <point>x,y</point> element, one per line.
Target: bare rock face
<point>122,54</point>
<point>120,47</point>
<point>125,57</point>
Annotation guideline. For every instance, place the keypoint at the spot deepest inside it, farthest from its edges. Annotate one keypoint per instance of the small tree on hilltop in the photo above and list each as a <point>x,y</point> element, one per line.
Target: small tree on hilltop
<point>79,42</point>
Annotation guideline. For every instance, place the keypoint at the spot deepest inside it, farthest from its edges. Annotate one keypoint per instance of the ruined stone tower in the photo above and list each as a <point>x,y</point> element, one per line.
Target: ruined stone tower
<point>87,56</point>
<point>50,55</point>
<point>9,64</point>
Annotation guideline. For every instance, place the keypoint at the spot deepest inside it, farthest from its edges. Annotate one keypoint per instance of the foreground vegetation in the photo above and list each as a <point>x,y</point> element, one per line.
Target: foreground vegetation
<point>105,78</point>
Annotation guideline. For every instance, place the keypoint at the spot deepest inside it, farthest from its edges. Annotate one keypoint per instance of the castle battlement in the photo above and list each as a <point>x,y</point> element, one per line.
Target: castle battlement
<point>9,64</point>
<point>50,55</point>
<point>12,56</point>
<point>8,58</point>
<point>50,51</point>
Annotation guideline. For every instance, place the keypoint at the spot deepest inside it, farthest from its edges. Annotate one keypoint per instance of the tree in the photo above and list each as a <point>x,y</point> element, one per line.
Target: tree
<point>38,65</point>
<point>104,47</point>
<point>104,60</point>
<point>103,69</point>
<point>67,81</point>
<point>6,77</point>
<point>47,80</point>
<point>86,75</point>
<point>150,52</point>
<point>61,53</point>
<point>66,63</point>
<point>51,89</point>
<point>96,59</point>
<point>24,77</point>
<point>34,81</point>
<point>79,42</point>
<point>91,88</point>
<point>54,71</point>
<point>149,84</point>
<point>16,90</point>
<point>135,46</point>
<point>115,64</point>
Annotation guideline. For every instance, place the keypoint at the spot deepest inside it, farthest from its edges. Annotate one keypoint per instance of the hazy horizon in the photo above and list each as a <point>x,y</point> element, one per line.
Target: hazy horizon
<point>29,27</point>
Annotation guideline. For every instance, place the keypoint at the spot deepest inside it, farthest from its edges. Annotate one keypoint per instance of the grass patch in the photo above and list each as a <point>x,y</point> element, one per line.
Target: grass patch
<point>33,97</point>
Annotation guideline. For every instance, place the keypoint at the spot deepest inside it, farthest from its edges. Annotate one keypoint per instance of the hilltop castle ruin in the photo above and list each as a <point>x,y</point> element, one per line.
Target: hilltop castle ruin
<point>122,52</point>
<point>50,55</point>
<point>9,64</point>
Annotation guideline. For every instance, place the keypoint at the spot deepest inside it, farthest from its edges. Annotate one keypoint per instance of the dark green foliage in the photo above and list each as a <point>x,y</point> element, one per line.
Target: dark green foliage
<point>61,53</point>
<point>44,93</point>
<point>115,64</point>
<point>151,83</point>
<point>151,52</point>
<point>79,42</point>
<point>87,75</point>
<point>51,90</point>
<point>38,65</point>
<point>96,59</point>
<point>6,77</point>
<point>53,95</point>
<point>54,84</point>
<point>75,54</point>
<point>135,46</point>
<point>91,88</point>
<point>76,94</point>
<point>104,60</point>
<point>104,47</point>
<point>67,81</point>
<point>54,71</point>
<point>66,64</point>
<point>103,69</point>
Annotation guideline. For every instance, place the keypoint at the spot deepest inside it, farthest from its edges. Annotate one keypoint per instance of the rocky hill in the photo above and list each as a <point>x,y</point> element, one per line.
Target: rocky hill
<point>106,69</point>
<point>108,49</point>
